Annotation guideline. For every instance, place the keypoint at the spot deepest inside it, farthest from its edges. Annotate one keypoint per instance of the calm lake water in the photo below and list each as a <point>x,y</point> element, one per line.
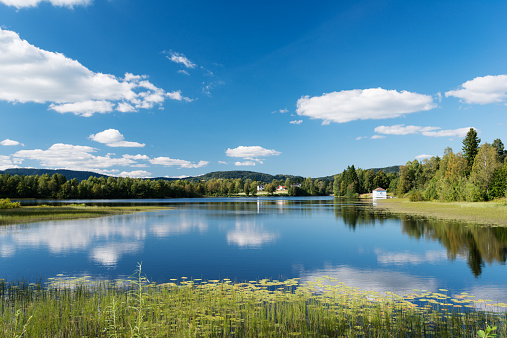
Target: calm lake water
<point>253,238</point>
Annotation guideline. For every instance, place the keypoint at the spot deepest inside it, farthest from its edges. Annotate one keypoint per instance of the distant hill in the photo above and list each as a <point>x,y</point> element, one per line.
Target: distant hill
<point>395,169</point>
<point>244,175</point>
<point>69,174</point>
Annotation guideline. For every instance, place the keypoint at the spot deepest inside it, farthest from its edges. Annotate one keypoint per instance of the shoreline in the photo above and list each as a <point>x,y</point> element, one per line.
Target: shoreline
<point>492,213</point>
<point>31,214</point>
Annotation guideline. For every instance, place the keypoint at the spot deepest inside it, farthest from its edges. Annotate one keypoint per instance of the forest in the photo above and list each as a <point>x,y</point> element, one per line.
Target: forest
<point>58,187</point>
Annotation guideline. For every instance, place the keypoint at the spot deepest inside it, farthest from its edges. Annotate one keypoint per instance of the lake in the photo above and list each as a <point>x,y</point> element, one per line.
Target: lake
<point>246,239</point>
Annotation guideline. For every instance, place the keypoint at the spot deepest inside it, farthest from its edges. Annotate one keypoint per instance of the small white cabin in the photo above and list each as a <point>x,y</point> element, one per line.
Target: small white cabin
<point>379,193</point>
<point>261,187</point>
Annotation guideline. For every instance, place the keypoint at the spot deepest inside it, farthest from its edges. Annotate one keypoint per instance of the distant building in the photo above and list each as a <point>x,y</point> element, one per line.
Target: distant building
<point>379,193</point>
<point>261,187</point>
<point>296,185</point>
<point>280,187</point>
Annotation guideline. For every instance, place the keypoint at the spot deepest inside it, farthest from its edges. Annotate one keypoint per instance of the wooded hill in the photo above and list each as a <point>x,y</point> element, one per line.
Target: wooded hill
<point>233,174</point>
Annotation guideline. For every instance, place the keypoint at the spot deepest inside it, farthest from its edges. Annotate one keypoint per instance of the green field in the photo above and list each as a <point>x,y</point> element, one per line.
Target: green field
<point>483,213</point>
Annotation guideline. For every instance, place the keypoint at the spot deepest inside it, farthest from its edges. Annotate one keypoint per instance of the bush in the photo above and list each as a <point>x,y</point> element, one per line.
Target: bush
<point>7,204</point>
<point>415,196</point>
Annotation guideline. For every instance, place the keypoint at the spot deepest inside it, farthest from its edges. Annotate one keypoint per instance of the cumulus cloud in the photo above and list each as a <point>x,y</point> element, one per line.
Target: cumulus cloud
<point>401,129</point>
<point>423,156</point>
<point>169,162</point>
<point>281,111</point>
<point>30,74</point>
<point>222,162</point>
<point>135,174</point>
<point>113,138</point>
<point>251,153</point>
<point>8,142</point>
<point>362,104</point>
<point>296,122</point>
<point>33,3</point>
<point>377,137</point>
<point>180,59</point>
<point>7,162</point>
<point>245,163</point>
<point>67,156</point>
<point>482,90</point>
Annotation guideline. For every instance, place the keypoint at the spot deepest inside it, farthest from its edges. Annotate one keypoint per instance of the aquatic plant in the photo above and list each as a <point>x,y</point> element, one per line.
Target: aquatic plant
<point>76,307</point>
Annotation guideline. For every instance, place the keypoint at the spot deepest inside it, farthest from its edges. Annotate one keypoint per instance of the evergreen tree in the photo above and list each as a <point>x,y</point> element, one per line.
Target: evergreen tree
<point>470,148</point>
<point>499,146</point>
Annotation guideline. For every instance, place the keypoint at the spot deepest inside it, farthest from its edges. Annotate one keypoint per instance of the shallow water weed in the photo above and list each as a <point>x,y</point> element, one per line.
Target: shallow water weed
<point>77,307</point>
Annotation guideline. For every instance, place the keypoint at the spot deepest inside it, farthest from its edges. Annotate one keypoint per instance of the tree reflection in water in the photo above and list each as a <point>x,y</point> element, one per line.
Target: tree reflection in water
<point>476,244</point>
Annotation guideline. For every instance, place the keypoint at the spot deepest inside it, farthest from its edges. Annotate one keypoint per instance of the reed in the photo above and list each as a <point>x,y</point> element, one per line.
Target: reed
<point>81,307</point>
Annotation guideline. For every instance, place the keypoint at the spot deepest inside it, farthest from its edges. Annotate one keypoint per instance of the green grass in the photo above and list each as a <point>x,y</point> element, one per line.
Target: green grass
<point>182,308</point>
<point>484,213</point>
<point>66,212</point>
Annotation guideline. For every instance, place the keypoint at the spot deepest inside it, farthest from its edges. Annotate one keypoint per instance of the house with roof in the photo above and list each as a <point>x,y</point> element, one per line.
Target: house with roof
<point>379,193</point>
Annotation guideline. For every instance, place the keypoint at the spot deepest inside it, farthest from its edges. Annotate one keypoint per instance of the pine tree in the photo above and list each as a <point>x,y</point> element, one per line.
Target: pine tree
<point>470,148</point>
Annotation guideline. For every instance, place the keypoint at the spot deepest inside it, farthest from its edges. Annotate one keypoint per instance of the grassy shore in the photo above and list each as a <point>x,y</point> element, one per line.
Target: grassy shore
<point>182,308</point>
<point>484,213</point>
<point>28,214</point>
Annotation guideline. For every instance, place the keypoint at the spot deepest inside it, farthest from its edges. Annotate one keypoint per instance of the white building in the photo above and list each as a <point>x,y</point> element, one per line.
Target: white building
<point>379,193</point>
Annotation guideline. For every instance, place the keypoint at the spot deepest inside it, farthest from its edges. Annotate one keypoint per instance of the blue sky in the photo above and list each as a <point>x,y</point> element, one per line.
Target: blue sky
<point>181,88</point>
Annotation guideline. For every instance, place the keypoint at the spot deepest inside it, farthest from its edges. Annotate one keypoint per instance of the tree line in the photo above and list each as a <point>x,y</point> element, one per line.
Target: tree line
<point>58,187</point>
<point>477,173</point>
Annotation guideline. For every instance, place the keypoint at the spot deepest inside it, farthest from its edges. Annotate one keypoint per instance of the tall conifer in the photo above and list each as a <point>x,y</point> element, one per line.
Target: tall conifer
<point>470,148</point>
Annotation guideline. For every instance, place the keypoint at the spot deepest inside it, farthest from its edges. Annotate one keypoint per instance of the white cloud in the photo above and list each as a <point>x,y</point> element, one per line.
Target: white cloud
<point>281,111</point>
<point>222,162</point>
<point>67,156</point>
<point>250,153</point>
<point>7,162</point>
<point>482,90</point>
<point>296,122</point>
<point>377,137</point>
<point>30,74</point>
<point>178,97</point>
<point>245,163</point>
<point>362,104</point>
<point>183,71</point>
<point>361,137</point>
<point>8,142</point>
<point>113,138</point>
<point>33,3</point>
<point>85,108</point>
<point>401,129</point>
<point>169,162</point>
<point>180,59</point>
<point>137,157</point>
<point>135,174</point>
<point>423,156</point>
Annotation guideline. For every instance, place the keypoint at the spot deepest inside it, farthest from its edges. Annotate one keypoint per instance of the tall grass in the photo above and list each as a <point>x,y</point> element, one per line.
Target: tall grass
<point>80,307</point>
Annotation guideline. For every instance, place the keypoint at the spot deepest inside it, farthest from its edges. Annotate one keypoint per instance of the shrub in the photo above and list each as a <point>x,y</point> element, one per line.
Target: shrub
<point>7,204</point>
<point>415,196</point>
